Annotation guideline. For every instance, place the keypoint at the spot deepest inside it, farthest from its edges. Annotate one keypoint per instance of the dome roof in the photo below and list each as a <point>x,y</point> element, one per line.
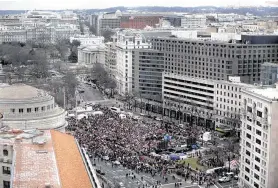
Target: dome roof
<point>20,92</point>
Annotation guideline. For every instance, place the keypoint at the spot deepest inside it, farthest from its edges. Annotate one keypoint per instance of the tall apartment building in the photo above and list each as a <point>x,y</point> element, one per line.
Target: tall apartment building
<point>269,73</point>
<point>259,133</point>
<point>147,68</point>
<point>217,60</point>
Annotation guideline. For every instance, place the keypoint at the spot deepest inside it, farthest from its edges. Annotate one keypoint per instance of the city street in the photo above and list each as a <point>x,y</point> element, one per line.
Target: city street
<point>90,94</point>
<point>117,174</point>
<point>231,184</point>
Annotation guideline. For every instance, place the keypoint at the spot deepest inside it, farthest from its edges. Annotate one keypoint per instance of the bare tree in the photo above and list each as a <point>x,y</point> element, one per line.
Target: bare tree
<point>62,46</point>
<point>40,66</point>
<point>111,85</point>
<point>107,34</point>
<point>70,84</point>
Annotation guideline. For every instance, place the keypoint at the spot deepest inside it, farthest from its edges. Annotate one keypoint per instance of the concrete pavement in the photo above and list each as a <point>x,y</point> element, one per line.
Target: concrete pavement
<point>115,175</point>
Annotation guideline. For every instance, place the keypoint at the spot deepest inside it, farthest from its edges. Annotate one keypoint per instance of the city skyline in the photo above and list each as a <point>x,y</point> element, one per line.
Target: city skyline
<point>87,4</point>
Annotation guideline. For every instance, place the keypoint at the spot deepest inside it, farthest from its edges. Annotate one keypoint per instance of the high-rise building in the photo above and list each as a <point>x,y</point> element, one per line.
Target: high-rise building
<point>259,133</point>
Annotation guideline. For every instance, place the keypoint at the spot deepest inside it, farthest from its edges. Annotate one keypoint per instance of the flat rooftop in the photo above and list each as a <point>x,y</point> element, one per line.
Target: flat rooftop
<point>45,158</point>
<point>71,167</point>
<point>35,164</point>
<point>268,92</point>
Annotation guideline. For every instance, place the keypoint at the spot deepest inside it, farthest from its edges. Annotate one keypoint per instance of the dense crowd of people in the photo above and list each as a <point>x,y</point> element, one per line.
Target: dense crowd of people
<point>128,141</point>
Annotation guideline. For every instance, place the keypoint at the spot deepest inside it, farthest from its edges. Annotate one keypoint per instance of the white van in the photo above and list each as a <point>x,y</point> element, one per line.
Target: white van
<point>122,116</point>
<point>211,171</point>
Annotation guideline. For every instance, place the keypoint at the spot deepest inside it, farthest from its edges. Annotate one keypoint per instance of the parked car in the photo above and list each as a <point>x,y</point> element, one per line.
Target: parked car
<point>224,179</point>
<point>158,119</point>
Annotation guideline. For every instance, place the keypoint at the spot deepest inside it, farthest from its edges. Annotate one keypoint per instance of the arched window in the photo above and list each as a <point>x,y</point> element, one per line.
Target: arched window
<point>5,152</point>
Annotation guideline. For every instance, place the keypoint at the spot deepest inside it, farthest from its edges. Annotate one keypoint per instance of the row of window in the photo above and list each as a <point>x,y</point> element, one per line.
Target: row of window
<point>30,110</point>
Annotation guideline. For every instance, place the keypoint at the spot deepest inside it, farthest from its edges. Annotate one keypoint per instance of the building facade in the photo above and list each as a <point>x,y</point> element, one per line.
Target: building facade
<point>111,58</point>
<point>228,102</point>
<point>86,40</point>
<point>6,164</point>
<point>193,21</point>
<point>269,73</point>
<point>139,21</point>
<point>126,41</point>
<point>217,60</point>
<point>91,55</point>
<point>147,69</point>
<point>258,161</point>
<point>184,97</point>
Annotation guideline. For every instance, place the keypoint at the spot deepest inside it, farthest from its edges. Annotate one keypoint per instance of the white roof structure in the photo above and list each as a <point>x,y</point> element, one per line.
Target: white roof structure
<point>270,93</point>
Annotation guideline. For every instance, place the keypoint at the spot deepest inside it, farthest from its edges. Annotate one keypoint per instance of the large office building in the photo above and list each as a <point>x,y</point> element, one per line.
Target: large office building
<point>217,60</point>
<point>216,101</point>
<point>48,159</point>
<point>185,96</point>
<point>147,68</point>
<point>259,133</point>
<point>269,73</point>
<point>26,107</point>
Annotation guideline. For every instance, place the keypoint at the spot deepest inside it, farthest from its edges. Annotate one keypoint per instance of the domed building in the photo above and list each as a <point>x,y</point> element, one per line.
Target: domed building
<point>26,107</point>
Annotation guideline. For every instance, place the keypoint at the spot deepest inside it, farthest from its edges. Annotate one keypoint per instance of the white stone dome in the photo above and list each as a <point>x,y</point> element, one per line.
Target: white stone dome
<point>26,107</point>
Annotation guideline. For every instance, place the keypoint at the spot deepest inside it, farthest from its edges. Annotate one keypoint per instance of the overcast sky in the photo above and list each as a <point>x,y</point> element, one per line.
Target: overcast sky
<point>87,4</point>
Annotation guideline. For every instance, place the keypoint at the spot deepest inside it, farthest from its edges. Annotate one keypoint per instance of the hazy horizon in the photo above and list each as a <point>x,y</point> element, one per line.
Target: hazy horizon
<point>87,4</point>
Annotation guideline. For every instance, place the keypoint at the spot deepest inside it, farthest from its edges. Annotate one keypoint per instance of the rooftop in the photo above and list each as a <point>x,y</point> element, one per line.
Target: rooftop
<point>35,164</point>
<point>45,158</point>
<point>19,92</point>
<point>268,92</point>
<point>72,170</point>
